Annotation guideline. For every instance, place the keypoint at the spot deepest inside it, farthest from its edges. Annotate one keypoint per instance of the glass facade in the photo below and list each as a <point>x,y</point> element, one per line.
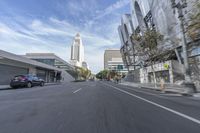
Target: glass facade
<point>195,52</point>
<point>46,61</point>
<point>53,62</point>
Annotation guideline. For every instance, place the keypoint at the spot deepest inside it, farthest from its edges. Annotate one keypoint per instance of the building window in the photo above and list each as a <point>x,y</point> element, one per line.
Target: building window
<point>195,51</point>
<point>46,61</point>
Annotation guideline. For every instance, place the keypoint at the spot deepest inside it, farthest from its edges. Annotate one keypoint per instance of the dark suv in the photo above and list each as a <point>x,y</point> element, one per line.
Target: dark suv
<point>26,81</point>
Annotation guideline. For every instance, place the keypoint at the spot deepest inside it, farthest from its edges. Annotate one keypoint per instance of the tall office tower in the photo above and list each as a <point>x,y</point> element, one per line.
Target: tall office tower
<point>77,51</point>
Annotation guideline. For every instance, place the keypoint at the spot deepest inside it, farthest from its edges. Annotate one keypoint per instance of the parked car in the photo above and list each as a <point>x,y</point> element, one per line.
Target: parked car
<point>26,81</point>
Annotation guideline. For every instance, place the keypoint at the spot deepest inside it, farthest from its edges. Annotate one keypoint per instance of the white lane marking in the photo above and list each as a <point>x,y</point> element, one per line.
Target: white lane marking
<point>77,90</point>
<point>158,105</point>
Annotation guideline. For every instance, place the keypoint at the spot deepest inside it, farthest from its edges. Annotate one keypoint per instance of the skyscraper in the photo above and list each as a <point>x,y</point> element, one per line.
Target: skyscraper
<point>77,51</point>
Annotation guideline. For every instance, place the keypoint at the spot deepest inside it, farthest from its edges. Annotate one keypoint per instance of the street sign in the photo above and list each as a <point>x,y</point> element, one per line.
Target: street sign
<point>119,67</point>
<point>166,66</point>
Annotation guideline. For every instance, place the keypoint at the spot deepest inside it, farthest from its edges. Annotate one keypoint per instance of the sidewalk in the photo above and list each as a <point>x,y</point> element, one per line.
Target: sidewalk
<point>5,87</point>
<point>197,95</point>
<point>169,88</point>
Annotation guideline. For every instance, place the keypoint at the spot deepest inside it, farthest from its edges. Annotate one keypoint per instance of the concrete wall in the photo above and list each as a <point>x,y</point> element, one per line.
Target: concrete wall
<point>66,76</point>
<point>9,69</point>
<point>8,72</point>
<point>195,70</point>
<point>145,72</point>
<point>174,72</point>
<point>177,69</point>
<point>133,76</point>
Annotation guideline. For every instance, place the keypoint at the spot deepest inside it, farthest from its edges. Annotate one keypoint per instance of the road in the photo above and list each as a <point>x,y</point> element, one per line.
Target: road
<point>96,107</point>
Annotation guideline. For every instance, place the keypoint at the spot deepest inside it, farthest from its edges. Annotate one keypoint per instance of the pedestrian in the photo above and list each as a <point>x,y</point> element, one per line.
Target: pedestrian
<point>162,85</point>
<point>117,79</point>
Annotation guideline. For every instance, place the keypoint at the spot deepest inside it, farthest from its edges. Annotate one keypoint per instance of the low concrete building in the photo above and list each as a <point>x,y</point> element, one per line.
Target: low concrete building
<point>53,60</point>
<point>12,64</point>
<point>49,59</point>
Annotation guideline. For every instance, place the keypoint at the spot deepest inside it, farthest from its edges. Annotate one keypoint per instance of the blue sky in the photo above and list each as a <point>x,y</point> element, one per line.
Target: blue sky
<point>50,26</point>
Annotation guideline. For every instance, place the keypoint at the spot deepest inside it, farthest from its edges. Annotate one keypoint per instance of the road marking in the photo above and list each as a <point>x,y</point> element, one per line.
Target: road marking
<point>158,105</point>
<point>77,90</point>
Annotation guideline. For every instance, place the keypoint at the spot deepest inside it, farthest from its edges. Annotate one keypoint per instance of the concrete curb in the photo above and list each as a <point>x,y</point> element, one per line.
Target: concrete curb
<point>197,95</point>
<point>2,87</point>
<point>48,84</point>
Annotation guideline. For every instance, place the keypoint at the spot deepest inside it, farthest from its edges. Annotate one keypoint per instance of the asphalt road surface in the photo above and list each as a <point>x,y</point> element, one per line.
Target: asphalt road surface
<point>96,107</point>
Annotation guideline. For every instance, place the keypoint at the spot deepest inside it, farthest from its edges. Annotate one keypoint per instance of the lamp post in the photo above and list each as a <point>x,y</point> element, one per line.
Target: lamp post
<point>182,4</point>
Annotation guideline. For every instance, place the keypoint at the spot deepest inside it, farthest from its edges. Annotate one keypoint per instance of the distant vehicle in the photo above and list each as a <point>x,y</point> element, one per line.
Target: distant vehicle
<point>26,81</point>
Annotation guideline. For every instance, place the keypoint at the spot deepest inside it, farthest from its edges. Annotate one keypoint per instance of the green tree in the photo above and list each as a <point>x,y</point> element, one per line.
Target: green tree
<point>83,73</point>
<point>146,47</point>
<point>104,74</point>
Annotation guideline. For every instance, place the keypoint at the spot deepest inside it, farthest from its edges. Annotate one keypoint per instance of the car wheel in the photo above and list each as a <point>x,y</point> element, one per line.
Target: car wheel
<point>42,84</point>
<point>29,84</point>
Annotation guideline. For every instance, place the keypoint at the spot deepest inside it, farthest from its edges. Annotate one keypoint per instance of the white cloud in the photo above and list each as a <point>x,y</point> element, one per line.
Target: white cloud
<point>100,14</point>
<point>77,8</point>
<point>119,4</point>
<point>35,40</point>
<point>54,35</point>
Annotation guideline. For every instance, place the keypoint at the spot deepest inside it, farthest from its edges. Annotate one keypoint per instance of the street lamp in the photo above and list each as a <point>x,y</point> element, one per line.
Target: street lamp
<point>180,6</point>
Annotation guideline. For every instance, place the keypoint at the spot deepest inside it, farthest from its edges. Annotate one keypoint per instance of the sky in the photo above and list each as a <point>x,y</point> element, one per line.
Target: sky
<point>29,26</point>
